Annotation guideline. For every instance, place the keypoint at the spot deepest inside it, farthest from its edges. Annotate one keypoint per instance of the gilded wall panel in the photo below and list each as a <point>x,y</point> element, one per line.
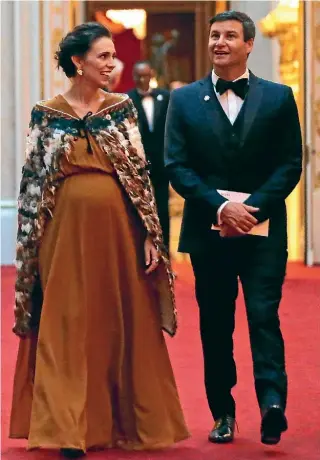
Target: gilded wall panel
<point>58,17</point>
<point>315,118</point>
<point>316,89</point>
<point>285,23</point>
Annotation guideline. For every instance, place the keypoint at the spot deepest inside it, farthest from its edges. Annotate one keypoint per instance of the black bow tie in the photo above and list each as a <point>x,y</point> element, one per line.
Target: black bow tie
<point>239,87</point>
<point>146,94</point>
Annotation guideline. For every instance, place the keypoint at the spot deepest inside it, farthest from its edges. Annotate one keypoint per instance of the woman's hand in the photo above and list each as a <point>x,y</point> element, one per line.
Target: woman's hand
<point>151,255</point>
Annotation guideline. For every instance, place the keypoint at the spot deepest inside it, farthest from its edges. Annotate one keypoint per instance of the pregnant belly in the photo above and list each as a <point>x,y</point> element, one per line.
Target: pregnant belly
<point>91,191</point>
<point>86,203</point>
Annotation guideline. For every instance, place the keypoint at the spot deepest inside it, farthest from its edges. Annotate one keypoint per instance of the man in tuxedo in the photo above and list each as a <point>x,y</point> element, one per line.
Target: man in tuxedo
<point>234,131</point>
<point>152,105</point>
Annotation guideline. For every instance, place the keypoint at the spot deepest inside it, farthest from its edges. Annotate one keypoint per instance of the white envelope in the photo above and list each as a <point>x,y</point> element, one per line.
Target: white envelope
<point>261,229</point>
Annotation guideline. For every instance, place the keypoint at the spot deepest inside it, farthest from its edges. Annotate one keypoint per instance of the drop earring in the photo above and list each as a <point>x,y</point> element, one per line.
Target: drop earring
<point>80,71</point>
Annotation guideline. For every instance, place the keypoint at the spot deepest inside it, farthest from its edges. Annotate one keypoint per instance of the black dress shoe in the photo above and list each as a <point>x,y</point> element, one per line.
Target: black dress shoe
<point>223,430</point>
<point>273,423</point>
<point>72,453</point>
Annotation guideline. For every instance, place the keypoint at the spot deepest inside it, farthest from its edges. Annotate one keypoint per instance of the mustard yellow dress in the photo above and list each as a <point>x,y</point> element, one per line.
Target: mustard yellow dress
<point>98,374</point>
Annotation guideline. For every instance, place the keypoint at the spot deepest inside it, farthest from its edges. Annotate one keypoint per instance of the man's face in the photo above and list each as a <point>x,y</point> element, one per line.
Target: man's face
<point>226,46</point>
<point>142,76</point>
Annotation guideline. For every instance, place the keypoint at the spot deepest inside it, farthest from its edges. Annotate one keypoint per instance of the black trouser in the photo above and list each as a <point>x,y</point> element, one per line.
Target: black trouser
<point>261,268</point>
<point>162,200</point>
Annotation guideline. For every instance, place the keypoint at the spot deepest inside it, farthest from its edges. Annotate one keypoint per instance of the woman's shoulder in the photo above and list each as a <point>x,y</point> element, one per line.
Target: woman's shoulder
<point>57,107</point>
<point>53,103</point>
<point>117,106</point>
<point>44,110</point>
<point>50,113</point>
<point>116,101</point>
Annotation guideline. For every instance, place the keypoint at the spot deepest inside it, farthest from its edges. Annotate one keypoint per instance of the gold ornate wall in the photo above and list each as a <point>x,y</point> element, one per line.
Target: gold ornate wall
<point>316,92</point>
<point>57,17</point>
<point>286,24</point>
<point>313,131</point>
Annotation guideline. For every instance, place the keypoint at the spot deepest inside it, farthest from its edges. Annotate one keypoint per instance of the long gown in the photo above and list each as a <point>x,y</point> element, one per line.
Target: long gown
<point>98,374</point>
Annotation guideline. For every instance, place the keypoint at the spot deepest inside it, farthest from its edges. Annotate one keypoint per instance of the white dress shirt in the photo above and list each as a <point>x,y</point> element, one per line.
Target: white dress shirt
<point>231,104</point>
<point>148,107</point>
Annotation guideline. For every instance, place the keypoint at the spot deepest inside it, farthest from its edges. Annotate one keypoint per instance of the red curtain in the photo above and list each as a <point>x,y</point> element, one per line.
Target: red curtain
<point>128,49</point>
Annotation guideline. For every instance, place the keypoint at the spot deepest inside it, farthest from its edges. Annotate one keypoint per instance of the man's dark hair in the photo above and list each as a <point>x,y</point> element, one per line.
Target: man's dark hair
<point>249,29</point>
<point>144,62</point>
<point>77,43</point>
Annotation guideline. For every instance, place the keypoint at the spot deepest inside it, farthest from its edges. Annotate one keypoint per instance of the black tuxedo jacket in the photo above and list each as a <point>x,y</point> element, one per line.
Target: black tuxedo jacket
<point>153,142</point>
<point>260,154</point>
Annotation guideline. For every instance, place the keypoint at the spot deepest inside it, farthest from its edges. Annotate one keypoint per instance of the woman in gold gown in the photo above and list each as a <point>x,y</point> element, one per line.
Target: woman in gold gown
<point>94,284</point>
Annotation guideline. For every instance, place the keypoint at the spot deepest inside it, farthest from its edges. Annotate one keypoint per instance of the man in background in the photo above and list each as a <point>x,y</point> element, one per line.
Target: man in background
<point>152,105</point>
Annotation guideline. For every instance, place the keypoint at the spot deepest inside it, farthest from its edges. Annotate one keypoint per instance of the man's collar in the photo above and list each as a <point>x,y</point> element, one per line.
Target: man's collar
<point>144,93</point>
<point>215,77</point>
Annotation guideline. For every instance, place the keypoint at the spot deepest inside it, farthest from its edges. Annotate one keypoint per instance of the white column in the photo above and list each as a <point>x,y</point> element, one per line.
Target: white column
<point>26,74</point>
<point>7,134</point>
<point>30,33</point>
<point>7,103</point>
<point>20,89</point>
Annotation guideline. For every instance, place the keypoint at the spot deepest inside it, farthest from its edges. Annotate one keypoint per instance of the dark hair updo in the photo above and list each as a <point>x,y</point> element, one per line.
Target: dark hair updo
<point>77,43</point>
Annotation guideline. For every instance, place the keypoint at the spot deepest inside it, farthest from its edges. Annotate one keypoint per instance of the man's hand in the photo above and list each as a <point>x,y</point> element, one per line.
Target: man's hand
<point>238,217</point>
<point>228,232</point>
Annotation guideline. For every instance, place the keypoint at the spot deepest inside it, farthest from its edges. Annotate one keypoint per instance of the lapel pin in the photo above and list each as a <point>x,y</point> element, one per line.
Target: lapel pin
<point>159,97</point>
<point>206,98</point>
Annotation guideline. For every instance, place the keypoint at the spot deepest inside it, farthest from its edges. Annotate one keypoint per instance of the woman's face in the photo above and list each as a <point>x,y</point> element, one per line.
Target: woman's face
<point>98,62</point>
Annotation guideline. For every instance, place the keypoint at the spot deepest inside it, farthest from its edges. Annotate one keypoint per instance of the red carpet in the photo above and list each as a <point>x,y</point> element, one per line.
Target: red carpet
<point>300,323</point>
